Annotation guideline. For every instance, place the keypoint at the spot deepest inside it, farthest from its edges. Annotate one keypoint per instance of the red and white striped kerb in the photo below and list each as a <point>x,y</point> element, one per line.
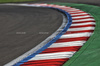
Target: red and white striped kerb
<point>82,27</point>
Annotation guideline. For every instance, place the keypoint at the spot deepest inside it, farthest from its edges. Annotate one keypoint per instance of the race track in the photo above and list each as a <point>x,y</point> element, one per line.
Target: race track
<point>22,28</point>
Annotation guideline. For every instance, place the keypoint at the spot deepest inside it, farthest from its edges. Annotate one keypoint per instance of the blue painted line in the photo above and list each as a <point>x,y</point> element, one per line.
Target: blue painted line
<point>50,42</point>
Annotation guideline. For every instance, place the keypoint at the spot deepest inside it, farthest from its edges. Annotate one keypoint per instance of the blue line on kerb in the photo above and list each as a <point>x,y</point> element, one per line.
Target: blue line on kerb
<point>50,42</point>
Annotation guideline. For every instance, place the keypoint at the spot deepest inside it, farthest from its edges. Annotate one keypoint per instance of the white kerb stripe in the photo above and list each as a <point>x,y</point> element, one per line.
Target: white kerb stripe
<point>86,34</point>
<point>78,14</point>
<point>81,17</point>
<point>62,7</point>
<point>87,23</point>
<point>53,55</point>
<point>72,10</point>
<point>82,20</point>
<point>67,44</point>
<point>83,28</point>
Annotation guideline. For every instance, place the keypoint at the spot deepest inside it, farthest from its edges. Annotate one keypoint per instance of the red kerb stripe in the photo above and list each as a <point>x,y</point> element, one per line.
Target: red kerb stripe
<point>83,18</point>
<point>80,15</point>
<point>90,25</point>
<point>61,49</point>
<point>50,62</point>
<point>72,39</point>
<point>83,21</point>
<point>71,32</point>
<point>77,12</point>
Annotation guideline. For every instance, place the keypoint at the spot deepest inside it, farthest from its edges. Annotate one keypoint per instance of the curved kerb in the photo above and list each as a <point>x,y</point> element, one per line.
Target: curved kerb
<point>67,41</point>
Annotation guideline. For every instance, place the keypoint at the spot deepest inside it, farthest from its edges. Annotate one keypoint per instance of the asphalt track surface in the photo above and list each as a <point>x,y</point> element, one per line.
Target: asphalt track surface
<point>22,28</point>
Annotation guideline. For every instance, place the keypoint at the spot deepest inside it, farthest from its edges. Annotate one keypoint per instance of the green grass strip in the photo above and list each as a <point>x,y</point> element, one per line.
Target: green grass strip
<point>89,54</point>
